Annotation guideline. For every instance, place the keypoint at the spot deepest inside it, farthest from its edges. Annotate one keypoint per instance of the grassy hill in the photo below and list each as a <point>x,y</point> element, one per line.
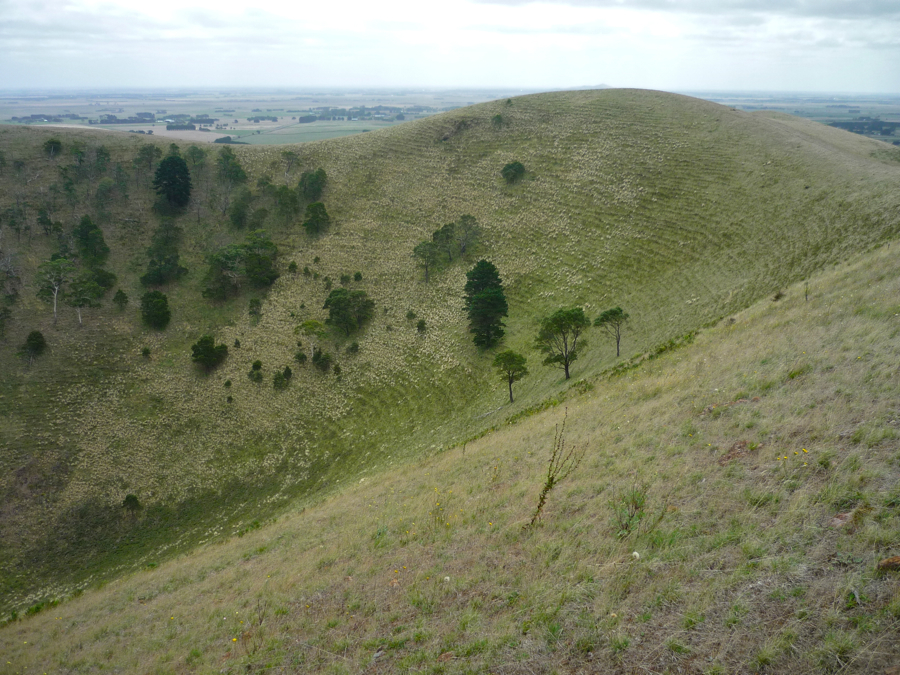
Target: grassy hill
<point>766,453</point>
<point>678,210</point>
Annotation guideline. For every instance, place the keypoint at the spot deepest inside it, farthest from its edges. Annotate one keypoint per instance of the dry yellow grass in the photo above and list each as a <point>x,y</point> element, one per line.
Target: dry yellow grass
<point>738,568</point>
<point>678,210</point>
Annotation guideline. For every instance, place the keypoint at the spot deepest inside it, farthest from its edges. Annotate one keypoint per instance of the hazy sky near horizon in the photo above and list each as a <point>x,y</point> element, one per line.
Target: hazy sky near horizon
<point>674,45</point>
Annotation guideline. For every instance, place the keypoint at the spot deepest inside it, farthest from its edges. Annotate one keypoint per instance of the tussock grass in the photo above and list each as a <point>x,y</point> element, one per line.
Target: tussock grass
<point>744,572</point>
<point>678,210</point>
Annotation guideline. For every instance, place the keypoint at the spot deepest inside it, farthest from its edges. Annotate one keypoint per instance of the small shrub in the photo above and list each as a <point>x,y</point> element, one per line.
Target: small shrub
<point>255,373</point>
<point>306,271</point>
<point>561,464</point>
<point>512,172</point>
<point>357,276</point>
<point>410,315</point>
<point>328,283</point>
<point>317,260</point>
<point>345,279</point>
<point>237,344</point>
<point>629,509</point>
<point>227,383</point>
<point>353,348</point>
<point>321,360</point>
<point>300,357</point>
<point>292,268</point>
<point>420,326</point>
<point>337,370</point>
<point>131,504</point>
<point>145,352</point>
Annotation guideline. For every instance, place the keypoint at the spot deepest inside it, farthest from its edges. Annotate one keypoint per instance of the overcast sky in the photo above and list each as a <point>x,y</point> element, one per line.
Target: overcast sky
<point>674,45</point>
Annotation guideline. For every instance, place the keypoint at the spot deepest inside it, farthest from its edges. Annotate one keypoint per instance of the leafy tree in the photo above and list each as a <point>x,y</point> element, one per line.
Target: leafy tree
<point>485,303</point>
<point>225,273</point>
<point>173,181</point>
<point>467,232</point>
<point>84,292</point>
<point>131,504</point>
<point>163,266</point>
<point>47,225</point>
<point>612,321</point>
<point>52,276</point>
<point>102,159</point>
<point>259,259</point>
<point>120,299</point>
<point>207,353</point>
<point>5,317</point>
<point>348,310</point>
<point>316,219</point>
<point>311,185</point>
<point>229,168</point>
<point>558,337</point>
<point>52,147</point>
<point>155,309</point>
<point>103,195</point>
<point>511,367</point>
<point>34,346</point>
<point>427,253</point>
<point>512,172</point>
<point>289,157</point>
<point>286,203</point>
<point>239,211</point>
<point>146,155</point>
<point>445,240</point>
<point>90,241</point>
<point>15,219</point>
<point>196,156</point>
<point>103,278</point>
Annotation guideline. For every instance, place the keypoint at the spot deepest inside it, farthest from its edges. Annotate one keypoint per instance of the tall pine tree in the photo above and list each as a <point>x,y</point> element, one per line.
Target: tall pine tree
<point>485,303</point>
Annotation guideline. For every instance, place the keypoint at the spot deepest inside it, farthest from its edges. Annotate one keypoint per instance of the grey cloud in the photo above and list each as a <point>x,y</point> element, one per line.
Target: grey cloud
<point>823,9</point>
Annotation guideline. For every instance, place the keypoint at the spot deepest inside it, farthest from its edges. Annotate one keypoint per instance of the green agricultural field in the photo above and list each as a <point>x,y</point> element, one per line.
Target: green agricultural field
<point>306,133</point>
<point>680,211</point>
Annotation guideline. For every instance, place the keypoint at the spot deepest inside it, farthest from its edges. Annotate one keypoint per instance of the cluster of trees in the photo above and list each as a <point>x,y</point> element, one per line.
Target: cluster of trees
<point>348,310</point>
<point>559,337</point>
<point>230,267</point>
<point>77,277</point>
<point>453,239</point>
<point>248,209</point>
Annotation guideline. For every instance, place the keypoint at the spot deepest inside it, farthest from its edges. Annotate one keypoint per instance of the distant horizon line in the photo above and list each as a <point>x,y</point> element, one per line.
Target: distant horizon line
<point>412,89</point>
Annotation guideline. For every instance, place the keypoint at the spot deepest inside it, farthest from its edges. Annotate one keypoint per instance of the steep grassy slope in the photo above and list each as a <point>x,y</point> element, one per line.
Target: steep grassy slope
<point>679,210</point>
<point>767,451</point>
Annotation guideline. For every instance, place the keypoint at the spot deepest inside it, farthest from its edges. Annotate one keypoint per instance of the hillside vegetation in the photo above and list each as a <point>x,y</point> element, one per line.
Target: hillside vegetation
<point>766,453</point>
<point>678,210</point>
